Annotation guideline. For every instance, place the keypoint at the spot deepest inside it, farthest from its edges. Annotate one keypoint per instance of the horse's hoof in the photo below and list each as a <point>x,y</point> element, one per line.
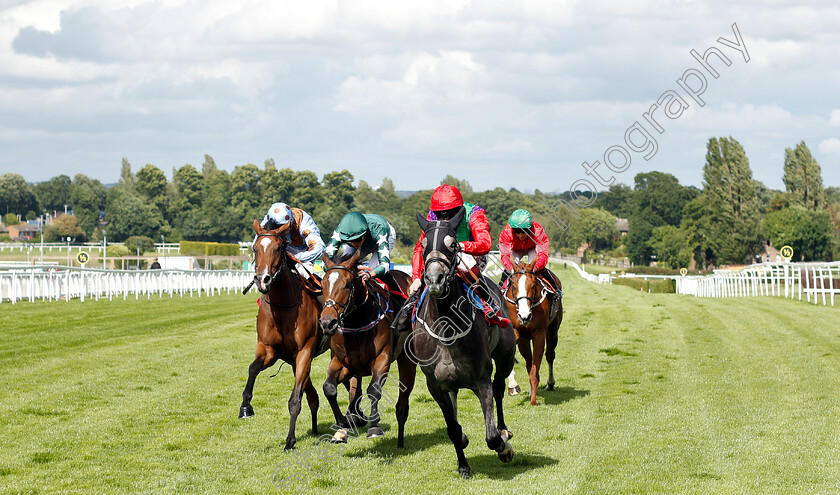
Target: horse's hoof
<point>465,441</point>
<point>375,432</point>
<point>246,412</point>
<point>340,436</point>
<point>549,387</point>
<point>506,455</point>
<point>514,390</point>
<point>506,434</point>
<point>290,444</point>
<point>464,472</point>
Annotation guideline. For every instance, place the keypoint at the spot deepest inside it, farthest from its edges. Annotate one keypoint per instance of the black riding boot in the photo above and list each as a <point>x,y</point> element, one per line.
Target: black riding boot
<point>403,315</point>
<point>550,279</point>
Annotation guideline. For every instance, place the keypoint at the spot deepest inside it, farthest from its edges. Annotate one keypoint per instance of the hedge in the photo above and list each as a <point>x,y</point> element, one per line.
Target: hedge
<point>195,248</point>
<point>653,285</point>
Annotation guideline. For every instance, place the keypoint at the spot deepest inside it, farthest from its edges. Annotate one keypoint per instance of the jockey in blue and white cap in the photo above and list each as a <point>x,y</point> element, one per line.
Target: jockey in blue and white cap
<point>303,237</point>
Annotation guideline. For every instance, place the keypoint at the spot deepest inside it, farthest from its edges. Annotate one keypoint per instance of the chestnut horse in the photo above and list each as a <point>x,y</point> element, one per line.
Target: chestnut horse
<point>356,317</point>
<point>287,325</point>
<point>453,344</point>
<point>530,302</point>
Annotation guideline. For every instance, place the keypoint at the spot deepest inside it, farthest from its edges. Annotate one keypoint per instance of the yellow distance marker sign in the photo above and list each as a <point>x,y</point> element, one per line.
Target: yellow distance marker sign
<point>786,252</point>
<point>82,258</point>
<point>683,271</point>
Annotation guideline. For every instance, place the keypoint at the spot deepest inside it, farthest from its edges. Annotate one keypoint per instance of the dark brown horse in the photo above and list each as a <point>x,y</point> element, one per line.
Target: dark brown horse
<point>530,302</point>
<point>356,316</point>
<point>287,325</point>
<point>455,347</point>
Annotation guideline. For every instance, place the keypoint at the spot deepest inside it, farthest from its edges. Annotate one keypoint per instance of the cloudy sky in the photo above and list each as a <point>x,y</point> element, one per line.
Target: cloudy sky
<point>516,94</point>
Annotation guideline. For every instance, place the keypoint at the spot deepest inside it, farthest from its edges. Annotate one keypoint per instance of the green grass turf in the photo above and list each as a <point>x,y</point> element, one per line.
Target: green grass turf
<point>657,393</point>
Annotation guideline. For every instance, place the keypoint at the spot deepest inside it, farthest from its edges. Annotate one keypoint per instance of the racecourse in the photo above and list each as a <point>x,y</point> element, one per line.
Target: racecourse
<point>657,393</point>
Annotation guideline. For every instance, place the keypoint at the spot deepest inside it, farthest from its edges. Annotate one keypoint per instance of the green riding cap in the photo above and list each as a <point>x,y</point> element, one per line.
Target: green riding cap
<point>352,226</point>
<point>520,219</point>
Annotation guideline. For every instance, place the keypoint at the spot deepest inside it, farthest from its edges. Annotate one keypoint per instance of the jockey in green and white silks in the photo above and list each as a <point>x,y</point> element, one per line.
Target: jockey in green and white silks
<point>303,237</point>
<point>371,234</point>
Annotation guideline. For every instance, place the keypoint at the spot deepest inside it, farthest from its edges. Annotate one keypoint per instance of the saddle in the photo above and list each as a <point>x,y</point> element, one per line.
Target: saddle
<point>492,312</point>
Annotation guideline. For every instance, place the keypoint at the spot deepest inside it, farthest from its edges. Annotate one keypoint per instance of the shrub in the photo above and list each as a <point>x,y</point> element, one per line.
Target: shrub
<point>141,241</point>
<point>668,286</point>
<point>196,248</point>
<point>117,251</point>
<point>10,219</point>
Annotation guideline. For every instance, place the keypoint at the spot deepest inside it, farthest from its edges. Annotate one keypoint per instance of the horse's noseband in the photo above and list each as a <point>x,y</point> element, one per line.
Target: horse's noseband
<point>332,303</point>
<point>281,250</point>
<point>531,303</point>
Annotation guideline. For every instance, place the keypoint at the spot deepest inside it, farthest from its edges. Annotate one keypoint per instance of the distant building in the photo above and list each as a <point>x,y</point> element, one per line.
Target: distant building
<point>769,253</point>
<point>623,226</point>
<point>23,231</point>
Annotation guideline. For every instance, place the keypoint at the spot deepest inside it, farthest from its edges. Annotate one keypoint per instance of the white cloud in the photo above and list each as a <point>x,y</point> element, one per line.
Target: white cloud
<point>834,118</point>
<point>830,146</point>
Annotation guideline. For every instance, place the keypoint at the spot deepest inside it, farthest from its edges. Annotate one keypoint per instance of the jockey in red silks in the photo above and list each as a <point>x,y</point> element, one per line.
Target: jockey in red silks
<point>523,236</point>
<point>473,235</point>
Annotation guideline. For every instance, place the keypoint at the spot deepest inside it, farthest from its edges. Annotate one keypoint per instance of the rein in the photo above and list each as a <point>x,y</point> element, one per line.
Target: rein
<point>332,303</point>
<point>451,265</point>
<point>449,279</point>
<point>283,266</point>
<point>530,300</point>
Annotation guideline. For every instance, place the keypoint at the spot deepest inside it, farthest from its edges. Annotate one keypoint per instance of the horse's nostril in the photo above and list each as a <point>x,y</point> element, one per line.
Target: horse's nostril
<point>266,279</point>
<point>332,324</point>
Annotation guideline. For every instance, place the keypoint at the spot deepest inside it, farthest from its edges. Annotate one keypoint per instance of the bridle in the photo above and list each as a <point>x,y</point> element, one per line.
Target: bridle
<point>281,249</point>
<point>531,303</point>
<point>332,303</point>
<point>450,264</point>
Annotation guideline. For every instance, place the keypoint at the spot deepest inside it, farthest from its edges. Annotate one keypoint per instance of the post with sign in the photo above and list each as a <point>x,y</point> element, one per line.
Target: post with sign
<point>82,258</point>
<point>787,253</point>
<point>683,271</point>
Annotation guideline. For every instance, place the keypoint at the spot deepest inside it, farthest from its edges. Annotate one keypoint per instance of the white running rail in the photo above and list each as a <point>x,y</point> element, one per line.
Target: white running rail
<point>62,283</point>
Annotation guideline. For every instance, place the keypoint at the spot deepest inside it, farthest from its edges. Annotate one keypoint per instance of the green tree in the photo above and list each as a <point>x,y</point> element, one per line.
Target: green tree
<point>209,166</point>
<point>128,180</point>
<point>658,199</point>
<point>617,200</point>
<point>129,214</point>
<point>734,226</point>
<point>95,186</point>
<point>16,195</point>
<point>803,178</point>
<point>151,184</point>
<point>462,184</point>
<point>62,227</point>
<point>276,184</point>
<point>189,191</point>
<point>53,194</point>
<point>86,208</point>
<point>10,219</point>
<point>695,224</point>
<point>596,227</point>
<point>216,192</point>
<point>307,193</point>
<point>671,246</point>
<point>245,188</point>
<point>810,233</point>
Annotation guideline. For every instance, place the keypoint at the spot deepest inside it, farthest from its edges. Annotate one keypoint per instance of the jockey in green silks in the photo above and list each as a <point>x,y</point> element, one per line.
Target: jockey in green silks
<point>372,235</point>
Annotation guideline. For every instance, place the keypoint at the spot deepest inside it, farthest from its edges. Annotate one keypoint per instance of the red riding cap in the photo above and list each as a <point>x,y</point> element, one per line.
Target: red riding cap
<point>446,197</point>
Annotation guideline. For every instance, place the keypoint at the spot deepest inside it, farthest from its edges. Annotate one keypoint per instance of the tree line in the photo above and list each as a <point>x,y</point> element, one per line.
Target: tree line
<point>726,222</point>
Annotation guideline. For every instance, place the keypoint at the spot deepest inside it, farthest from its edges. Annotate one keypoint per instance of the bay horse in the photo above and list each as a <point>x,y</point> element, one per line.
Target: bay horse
<point>287,325</point>
<point>357,317</point>
<point>534,320</point>
<point>454,346</point>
